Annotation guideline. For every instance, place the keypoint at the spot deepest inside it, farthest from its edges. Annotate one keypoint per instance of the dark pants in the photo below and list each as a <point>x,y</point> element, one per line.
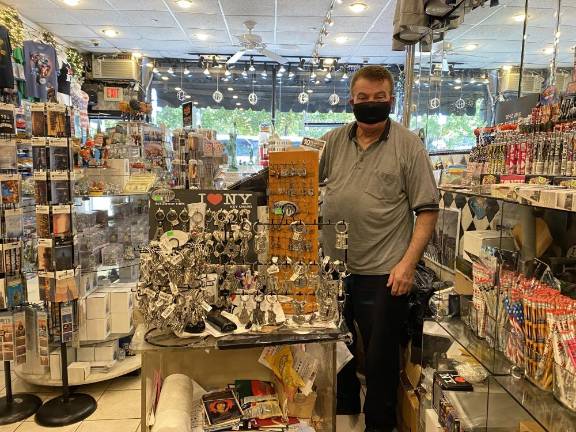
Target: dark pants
<point>382,320</point>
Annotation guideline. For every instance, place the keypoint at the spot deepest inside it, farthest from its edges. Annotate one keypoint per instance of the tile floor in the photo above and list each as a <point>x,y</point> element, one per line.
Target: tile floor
<point>118,407</point>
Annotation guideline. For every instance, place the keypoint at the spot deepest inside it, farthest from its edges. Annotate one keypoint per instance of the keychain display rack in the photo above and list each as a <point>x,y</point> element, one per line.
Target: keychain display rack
<point>13,293</point>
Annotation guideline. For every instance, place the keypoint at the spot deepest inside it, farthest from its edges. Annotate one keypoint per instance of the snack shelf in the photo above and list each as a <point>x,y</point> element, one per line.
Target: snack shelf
<point>541,405</point>
<point>130,364</point>
<point>490,358</point>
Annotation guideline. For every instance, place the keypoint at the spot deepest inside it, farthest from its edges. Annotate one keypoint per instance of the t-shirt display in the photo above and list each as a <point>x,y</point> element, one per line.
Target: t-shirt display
<point>64,79</point>
<point>40,70</point>
<point>6,71</point>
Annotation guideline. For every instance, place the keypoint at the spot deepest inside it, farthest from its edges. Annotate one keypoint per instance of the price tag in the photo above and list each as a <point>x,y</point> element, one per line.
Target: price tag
<point>165,297</point>
<point>169,311</point>
<point>174,289</point>
<point>150,293</point>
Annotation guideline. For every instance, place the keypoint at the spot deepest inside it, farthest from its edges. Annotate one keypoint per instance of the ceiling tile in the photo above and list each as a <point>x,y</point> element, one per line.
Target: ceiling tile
<point>86,43</point>
<point>69,31</point>
<point>139,5</point>
<point>158,33</point>
<point>149,18</point>
<point>99,18</point>
<point>237,26</point>
<point>305,8</point>
<point>26,5</point>
<point>253,8</point>
<point>49,16</point>
<point>201,21</point>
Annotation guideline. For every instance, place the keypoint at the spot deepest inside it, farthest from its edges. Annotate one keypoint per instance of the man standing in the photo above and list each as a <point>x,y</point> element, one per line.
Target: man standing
<point>378,179</point>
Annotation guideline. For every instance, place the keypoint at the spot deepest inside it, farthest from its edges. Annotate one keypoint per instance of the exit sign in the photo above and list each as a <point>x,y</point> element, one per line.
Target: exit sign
<point>113,94</point>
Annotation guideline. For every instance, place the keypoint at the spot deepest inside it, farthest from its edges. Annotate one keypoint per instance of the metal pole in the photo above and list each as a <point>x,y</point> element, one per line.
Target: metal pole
<point>523,48</point>
<point>408,83</point>
<point>554,63</point>
<point>274,96</point>
<point>8,382</point>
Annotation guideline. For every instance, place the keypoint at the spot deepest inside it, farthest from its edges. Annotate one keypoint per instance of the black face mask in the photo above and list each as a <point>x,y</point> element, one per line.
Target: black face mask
<point>372,112</point>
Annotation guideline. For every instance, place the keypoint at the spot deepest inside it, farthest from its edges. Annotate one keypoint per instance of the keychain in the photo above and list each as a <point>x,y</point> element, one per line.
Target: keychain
<point>341,235</point>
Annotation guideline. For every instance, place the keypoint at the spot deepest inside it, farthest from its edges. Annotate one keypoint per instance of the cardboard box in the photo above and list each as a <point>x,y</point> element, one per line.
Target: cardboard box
<point>408,406</point>
<point>301,406</point>
<point>78,372</point>
<point>55,362</point>
<point>120,301</point>
<point>462,285</point>
<point>530,426</point>
<point>475,241</point>
<point>98,329</point>
<point>122,322</point>
<point>106,351</point>
<point>97,306</point>
<point>85,354</point>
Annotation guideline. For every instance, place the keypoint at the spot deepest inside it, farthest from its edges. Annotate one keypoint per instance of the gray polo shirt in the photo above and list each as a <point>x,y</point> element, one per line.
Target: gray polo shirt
<point>377,191</point>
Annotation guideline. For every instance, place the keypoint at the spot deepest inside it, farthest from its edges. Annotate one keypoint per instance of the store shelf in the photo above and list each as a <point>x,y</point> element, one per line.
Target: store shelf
<point>469,193</point>
<point>112,337</point>
<point>541,405</point>
<point>130,364</point>
<point>491,359</point>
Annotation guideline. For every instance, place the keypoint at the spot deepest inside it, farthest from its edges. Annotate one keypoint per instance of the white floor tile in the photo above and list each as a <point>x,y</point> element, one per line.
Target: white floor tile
<point>350,423</point>
<point>109,426</point>
<point>117,405</point>
<point>95,390</point>
<point>126,383</point>
<point>10,428</point>
<point>33,427</point>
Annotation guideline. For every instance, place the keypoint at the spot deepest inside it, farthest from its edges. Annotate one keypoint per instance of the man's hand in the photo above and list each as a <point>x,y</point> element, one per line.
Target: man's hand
<point>401,278</point>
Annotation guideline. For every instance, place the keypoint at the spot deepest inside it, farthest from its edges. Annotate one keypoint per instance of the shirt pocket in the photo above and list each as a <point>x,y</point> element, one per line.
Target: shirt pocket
<point>384,186</point>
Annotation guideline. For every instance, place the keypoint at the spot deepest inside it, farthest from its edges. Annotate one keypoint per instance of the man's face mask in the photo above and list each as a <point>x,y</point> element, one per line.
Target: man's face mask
<point>372,112</point>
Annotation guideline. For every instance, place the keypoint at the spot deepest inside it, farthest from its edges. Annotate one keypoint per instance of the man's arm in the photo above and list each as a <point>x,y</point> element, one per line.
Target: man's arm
<point>402,275</point>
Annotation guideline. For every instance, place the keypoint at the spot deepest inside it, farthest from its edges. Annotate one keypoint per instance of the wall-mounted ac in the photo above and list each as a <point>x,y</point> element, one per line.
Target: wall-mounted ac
<point>114,68</point>
<point>531,83</point>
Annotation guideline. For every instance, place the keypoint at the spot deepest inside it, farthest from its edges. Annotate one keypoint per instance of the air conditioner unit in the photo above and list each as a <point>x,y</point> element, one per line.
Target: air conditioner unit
<point>531,83</point>
<point>114,68</point>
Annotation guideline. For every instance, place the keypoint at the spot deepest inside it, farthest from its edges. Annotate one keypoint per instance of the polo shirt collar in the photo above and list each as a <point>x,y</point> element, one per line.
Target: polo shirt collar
<point>383,137</point>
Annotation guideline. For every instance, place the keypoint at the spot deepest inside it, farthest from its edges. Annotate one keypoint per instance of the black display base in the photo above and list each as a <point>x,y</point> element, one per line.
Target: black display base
<point>62,411</point>
<point>21,407</point>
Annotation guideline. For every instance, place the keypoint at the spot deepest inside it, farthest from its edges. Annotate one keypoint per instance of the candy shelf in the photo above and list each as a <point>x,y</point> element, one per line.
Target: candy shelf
<point>130,364</point>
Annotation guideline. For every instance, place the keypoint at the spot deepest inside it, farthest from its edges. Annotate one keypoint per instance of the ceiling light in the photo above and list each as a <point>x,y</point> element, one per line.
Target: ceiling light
<point>264,74</point>
<point>227,72</point>
<point>150,64</point>
<point>328,75</point>
<point>345,76</point>
<point>235,97</point>
<point>507,67</point>
<point>317,82</point>
<point>177,88</point>
<point>251,68</point>
<point>519,18</point>
<point>282,69</point>
<point>549,50</point>
<point>291,74</point>
<point>186,71</point>
<point>206,71</point>
<point>170,70</point>
<point>470,47</point>
<point>310,91</point>
<point>457,87</point>
<point>458,81</point>
<point>238,103</point>
<point>155,70</point>
<point>110,33</point>
<point>184,4</point>
<point>472,81</point>
<point>339,1</point>
<point>358,7</point>
<point>188,97</point>
<point>195,102</point>
<point>202,36</point>
<point>71,2</point>
<point>244,73</point>
<point>136,55</point>
<point>230,89</point>
<point>165,78</point>
<point>341,39</point>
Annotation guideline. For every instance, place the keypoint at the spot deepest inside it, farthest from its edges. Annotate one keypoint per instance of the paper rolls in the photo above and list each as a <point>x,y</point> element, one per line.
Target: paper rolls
<point>175,405</point>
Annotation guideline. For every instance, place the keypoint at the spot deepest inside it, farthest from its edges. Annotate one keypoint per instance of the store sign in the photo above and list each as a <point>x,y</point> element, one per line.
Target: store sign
<point>514,109</point>
<point>113,94</point>
<point>187,114</point>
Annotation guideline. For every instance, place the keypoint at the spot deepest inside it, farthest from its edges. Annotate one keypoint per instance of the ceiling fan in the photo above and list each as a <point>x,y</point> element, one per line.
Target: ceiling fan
<point>250,42</point>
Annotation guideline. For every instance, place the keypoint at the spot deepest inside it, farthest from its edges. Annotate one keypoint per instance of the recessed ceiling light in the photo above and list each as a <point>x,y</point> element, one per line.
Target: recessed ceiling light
<point>310,91</point>
<point>457,87</point>
<point>235,97</point>
<point>341,39</point>
<point>72,2</point>
<point>358,7</point>
<point>238,103</point>
<point>136,55</point>
<point>230,88</point>
<point>471,47</point>
<point>188,97</point>
<point>110,33</point>
<point>165,78</point>
<point>177,88</point>
<point>549,50</point>
<point>519,18</point>
<point>202,36</point>
<point>195,102</point>
<point>184,4</point>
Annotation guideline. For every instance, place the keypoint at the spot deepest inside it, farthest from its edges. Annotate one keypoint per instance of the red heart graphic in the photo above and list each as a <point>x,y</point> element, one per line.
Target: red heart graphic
<point>214,199</point>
